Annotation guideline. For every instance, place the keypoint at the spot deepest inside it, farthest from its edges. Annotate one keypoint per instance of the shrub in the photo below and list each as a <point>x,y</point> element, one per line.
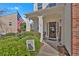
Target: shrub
<point>23,34</point>
<point>15,46</point>
<point>10,34</point>
<point>37,44</point>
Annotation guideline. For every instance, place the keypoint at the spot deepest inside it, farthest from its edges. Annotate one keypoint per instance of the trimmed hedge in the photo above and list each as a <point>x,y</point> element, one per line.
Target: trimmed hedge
<point>15,44</point>
<point>23,34</point>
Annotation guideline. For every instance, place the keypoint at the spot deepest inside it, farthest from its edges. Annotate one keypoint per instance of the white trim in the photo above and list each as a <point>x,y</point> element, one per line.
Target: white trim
<point>41,27</point>
<point>27,24</point>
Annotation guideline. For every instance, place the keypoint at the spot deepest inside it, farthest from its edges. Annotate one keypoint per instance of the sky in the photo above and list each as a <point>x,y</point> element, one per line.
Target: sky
<point>22,8</point>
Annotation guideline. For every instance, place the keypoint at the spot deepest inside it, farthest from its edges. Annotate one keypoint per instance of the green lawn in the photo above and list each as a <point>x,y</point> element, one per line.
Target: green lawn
<point>15,44</point>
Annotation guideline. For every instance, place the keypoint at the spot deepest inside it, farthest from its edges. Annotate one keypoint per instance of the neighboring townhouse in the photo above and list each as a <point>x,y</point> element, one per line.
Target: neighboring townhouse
<point>8,23</point>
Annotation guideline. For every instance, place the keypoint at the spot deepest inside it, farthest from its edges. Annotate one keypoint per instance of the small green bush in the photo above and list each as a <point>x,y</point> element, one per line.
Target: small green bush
<point>23,26</point>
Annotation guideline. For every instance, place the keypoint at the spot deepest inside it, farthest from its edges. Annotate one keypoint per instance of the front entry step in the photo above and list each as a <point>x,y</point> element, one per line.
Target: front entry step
<point>52,39</point>
<point>61,48</point>
<point>63,51</point>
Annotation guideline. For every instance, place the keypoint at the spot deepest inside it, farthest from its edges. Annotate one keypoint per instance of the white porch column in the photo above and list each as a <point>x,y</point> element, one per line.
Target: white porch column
<point>27,24</point>
<point>41,27</point>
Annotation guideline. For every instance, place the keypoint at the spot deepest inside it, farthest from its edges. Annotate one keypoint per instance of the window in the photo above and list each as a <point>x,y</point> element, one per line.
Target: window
<point>39,6</point>
<point>51,5</point>
<point>10,23</point>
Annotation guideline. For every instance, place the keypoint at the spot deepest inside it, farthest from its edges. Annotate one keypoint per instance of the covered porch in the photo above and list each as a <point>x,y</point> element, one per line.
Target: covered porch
<point>54,24</point>
<point>48,22</point>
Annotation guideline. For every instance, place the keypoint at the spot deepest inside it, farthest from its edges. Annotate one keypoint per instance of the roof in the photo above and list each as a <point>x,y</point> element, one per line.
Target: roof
<point>8,14</point>
<point>46,12</point>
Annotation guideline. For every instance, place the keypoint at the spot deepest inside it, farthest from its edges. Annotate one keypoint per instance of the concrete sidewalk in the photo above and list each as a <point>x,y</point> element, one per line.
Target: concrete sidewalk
<point>47,50</point>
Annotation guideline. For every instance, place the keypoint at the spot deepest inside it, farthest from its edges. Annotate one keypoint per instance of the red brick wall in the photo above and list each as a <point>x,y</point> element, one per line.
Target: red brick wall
<point>75,29</point>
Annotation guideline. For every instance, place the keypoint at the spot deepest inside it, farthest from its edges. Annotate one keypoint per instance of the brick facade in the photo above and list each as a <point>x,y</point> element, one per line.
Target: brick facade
<point>75,29</point>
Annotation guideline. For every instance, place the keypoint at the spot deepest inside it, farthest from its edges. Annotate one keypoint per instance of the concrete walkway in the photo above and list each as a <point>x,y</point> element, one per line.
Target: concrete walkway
<point>54,44</point>
<point>47,50</point>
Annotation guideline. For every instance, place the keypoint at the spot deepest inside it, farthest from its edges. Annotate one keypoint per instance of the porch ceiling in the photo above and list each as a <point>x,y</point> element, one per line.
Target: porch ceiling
<point>53,16</point>
<point>52,12</point>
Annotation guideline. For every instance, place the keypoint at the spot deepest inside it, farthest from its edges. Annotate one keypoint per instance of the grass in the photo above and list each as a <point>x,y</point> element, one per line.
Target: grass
<point>15,44</point>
